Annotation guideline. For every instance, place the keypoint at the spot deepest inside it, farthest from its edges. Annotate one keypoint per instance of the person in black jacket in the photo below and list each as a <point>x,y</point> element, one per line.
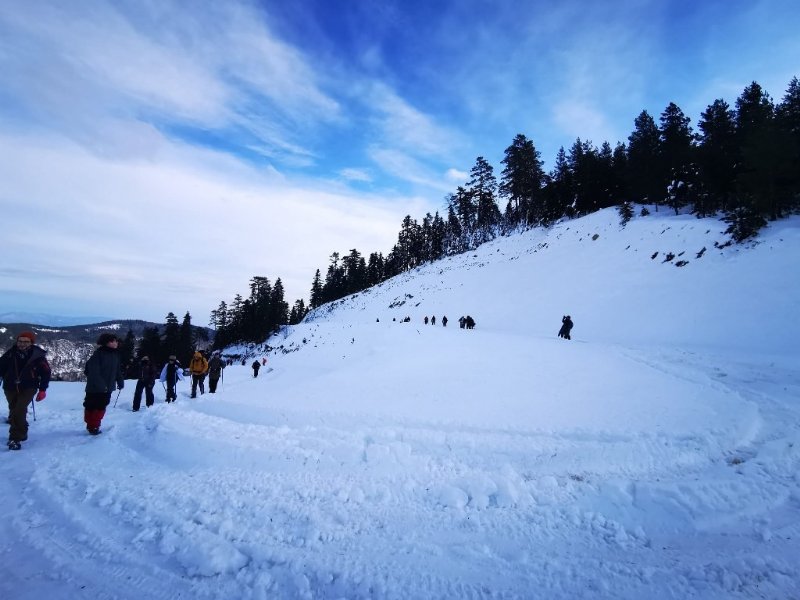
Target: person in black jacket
<point>215,366</point>
<point>146,374</point>
<point>566,327</point>
<point>103,375</point>
<point>256,366</point>
<point>24,369</point>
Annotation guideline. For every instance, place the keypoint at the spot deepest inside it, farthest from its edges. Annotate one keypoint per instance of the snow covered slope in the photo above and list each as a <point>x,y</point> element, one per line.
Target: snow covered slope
<point>655,455</point>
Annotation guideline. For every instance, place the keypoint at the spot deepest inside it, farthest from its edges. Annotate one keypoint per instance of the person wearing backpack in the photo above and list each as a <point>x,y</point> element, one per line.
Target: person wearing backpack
<point>171,374</point>
<point>198,367</point>
<point>146,374</point>
<point>256,366</point>
<point>215,366</point>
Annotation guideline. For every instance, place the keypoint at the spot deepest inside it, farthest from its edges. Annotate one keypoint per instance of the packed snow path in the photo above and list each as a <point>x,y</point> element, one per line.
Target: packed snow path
<point>677,480</point>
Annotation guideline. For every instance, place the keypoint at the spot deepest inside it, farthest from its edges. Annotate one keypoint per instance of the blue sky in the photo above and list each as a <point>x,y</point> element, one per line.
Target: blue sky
<point>156,155</point>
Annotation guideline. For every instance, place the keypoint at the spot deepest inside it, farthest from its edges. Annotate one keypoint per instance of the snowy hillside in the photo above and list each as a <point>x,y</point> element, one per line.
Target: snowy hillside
<point>655,455</point>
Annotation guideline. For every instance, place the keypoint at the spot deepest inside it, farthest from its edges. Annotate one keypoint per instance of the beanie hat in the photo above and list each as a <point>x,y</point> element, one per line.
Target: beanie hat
<point>105,338</point>
<point>28,334</point>
<point>173,357</point>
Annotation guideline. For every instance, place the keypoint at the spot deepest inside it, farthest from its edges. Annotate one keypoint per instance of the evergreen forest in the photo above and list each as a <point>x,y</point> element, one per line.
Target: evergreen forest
<point>742,163</point>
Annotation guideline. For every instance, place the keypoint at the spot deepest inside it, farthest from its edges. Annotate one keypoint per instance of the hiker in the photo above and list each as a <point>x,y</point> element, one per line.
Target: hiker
<point>146,375</point>
<point>433,320</point>
<point>444,321</point>
<point>215,366</point>
<point>24,369</point>
<point>426,319</point>
<point>198,367</point>
<point>256,366</point>
<point>470,322</point>
<point>462,322</point>
<point>566,327</point>
<point>103,375</point>
<point>171,374</point>
<point>264,362</point>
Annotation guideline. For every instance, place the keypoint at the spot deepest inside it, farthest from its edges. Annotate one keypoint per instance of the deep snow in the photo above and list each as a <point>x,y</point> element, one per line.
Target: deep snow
<point>655,455</point>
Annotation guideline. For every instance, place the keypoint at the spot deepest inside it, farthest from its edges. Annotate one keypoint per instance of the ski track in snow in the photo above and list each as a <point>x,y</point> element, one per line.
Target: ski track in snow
<point>183,502</point>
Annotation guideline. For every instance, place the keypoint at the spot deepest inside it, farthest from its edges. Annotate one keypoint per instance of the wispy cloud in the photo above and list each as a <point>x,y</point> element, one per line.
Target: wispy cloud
<point>355,175</point>
<point>218,68</point>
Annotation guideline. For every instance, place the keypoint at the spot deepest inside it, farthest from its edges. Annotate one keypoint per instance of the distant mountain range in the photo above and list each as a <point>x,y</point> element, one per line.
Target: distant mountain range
<point>51,320</point>
<point>69,346</point>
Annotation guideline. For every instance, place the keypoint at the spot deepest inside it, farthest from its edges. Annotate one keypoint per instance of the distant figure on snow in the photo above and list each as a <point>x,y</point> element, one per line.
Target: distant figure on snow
<point>24,369</point>
<point>146,373</point>
<point>470,322</point>
<point>264,362</point>
<point>433,320</point>
<point>566,327</point>
<point>462,322</point>
<point>256,366</point>
<point>444,321</point>
<point>103,375</point>
<point>426,319</point>
<point>215,366</point>
<point>171,374</point>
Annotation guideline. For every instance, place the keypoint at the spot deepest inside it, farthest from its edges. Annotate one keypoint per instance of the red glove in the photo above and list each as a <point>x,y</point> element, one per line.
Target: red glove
<point>41,395</point>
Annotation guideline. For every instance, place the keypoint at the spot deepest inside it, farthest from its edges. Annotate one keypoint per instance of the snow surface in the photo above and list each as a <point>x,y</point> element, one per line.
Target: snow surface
<point>653,456</point>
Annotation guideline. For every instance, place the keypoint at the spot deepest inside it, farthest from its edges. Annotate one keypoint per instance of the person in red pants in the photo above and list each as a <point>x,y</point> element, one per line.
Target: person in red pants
<point>103,375</point>
<point>24,369</point>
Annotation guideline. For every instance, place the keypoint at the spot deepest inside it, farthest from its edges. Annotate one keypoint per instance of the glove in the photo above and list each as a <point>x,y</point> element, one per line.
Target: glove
<point>41,395</point>
<point>120,385</point>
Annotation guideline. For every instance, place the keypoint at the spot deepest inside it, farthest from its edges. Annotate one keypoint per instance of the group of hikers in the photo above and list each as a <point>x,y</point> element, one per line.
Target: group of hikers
<point>172,372</point>
<point>26,374</point>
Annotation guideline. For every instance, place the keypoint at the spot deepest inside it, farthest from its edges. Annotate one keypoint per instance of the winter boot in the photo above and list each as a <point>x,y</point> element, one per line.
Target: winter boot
<point>14,445</point>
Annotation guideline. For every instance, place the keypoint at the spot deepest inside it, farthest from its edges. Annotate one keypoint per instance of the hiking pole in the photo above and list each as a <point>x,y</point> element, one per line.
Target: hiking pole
<point>33,406</point>
<point>117,398</point>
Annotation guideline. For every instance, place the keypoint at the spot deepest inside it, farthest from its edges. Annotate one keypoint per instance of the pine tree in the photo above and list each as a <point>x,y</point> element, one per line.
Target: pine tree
<point>584,167</point>
<point>279,313</point>
<point>521,182</point>
<point>298,312</point>
<point>127,348</point>
<point>150,346</point>
<point>644,177</point>
<point>619,192</point>
<point>625,211</point>
<point>559,189</point>
<point>187,342</point>
<point>172,335</point>
<point>375,269</point>
<point>763,153</point>
<point>676,153</point>
<point>717,157</point>
<point>483,187</point>
<point>788,123</point>
<point>316,291</point>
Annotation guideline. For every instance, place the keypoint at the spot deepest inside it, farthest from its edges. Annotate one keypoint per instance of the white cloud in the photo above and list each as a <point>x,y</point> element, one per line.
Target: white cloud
<point>143,237</point>
<point>355,175</point>
<point>404,166</point>
<point>456,176</point>
<point>218,68</point>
